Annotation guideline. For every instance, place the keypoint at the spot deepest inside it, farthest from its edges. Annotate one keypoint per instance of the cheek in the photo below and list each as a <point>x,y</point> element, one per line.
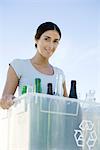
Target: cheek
<point>40,47</point>
<point>42,44</point>
<point>55,46</point>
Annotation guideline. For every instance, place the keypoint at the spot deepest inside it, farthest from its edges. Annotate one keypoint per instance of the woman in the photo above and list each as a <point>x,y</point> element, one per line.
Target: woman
<point>23,72</point>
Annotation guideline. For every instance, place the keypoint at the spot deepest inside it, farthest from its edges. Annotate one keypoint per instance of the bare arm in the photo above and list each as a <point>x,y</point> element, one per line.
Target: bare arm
<point>65,90</point>
<point>9,89</point>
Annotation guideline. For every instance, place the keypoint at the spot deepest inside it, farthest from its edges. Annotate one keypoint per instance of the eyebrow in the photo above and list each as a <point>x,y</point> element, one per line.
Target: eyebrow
<point>50,37</point>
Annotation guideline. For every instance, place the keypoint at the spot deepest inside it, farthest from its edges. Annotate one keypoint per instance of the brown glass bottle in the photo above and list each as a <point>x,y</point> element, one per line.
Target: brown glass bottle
<point>49,89</point>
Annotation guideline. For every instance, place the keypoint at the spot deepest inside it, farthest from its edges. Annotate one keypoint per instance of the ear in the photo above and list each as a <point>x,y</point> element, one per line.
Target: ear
<point>36,40</point>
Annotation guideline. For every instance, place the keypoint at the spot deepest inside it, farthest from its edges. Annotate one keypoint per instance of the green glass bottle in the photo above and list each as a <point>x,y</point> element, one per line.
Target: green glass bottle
<point>24,89</point>
<point>37,86</point>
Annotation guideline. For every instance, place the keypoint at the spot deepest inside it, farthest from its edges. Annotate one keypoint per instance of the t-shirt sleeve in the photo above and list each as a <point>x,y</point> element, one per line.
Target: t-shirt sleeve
<point>16,65</point>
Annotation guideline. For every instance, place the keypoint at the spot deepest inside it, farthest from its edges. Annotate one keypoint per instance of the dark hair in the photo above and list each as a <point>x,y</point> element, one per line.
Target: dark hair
<point>45,27</point>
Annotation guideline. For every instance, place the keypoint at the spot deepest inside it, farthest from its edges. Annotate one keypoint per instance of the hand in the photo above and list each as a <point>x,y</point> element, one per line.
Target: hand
<point>7,101</point>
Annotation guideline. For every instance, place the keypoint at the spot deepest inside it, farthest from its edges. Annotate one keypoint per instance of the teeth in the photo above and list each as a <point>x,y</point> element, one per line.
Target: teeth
<point>49,51</point>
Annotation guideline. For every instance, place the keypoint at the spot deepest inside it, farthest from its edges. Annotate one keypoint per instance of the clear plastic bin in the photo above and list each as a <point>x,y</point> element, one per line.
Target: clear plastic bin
<point>46,122</point>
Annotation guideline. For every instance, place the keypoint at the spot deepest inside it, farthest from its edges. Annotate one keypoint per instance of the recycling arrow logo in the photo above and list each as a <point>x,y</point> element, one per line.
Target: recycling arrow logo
<point>86,134</point>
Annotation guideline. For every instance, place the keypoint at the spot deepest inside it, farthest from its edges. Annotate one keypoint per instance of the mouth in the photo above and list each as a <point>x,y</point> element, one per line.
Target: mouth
<point>49,51</point>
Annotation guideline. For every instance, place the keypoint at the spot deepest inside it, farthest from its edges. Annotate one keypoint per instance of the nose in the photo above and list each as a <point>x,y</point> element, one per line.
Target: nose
<point>50,46</point>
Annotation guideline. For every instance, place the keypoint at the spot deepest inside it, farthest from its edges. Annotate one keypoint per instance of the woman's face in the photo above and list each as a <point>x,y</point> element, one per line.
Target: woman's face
<point>48,43</point>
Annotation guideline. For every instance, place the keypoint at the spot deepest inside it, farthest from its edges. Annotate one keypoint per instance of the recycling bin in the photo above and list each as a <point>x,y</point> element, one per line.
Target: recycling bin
<point>4,129</point>
<point>47,122</point>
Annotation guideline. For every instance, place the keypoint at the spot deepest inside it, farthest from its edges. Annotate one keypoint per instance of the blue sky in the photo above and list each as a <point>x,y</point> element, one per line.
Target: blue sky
<point>78,53</point>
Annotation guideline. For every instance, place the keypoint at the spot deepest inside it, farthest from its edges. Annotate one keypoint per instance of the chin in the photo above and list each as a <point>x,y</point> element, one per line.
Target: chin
<point>47,56</point>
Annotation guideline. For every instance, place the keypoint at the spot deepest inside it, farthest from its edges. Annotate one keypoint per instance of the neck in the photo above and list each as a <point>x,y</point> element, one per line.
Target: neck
<point>38,59</point>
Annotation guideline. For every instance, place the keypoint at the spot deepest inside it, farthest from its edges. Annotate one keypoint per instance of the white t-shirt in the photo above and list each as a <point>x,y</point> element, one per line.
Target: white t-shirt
<point>27,73</point>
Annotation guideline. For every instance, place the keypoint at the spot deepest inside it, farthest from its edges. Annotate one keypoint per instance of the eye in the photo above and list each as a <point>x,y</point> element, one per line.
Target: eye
<point>56,41</point>
<point>46,39</point>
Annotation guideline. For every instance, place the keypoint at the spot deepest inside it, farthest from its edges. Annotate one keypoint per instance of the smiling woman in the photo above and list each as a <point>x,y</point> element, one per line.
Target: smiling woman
<point>48,43</point>
<point>23,72</point>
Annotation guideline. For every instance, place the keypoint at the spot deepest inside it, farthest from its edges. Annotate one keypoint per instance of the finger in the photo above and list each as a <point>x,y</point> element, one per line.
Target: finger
<point>10,102</point>
<point>5,104</point>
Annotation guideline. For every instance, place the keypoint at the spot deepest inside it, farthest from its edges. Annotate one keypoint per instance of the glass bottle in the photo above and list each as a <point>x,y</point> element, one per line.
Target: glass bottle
<point>58,90</point>
<point>24,89</point>
<point>90,96</point>
<point>49,89</point>
<point>73,92</point>
<point>37,86</point>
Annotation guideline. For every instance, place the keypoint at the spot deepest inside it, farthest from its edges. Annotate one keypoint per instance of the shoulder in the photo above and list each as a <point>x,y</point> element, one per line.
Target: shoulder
<point>58,70</point>
<point>18,62</point>
<point>18,65</point>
